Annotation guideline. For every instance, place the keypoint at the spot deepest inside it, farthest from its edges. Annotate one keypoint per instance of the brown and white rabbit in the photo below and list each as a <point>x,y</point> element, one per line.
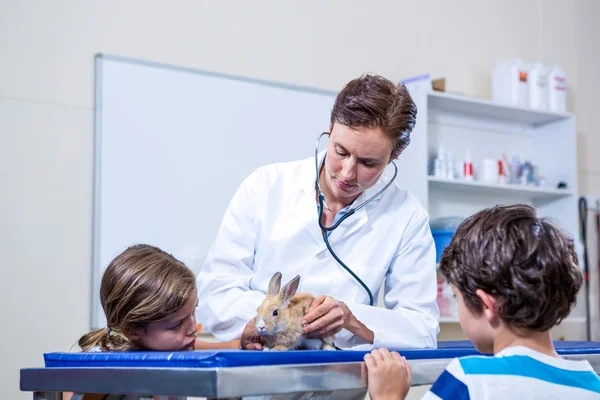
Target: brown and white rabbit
<point>279,319</point>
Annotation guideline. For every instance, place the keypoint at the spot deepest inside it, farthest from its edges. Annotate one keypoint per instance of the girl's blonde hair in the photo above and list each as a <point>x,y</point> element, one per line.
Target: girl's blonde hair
<point>141,285</point>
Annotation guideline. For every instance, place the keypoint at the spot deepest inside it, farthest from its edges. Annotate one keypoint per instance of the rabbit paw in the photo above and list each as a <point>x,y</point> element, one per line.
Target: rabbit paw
<point>265,348</point>
<point>328,346</point>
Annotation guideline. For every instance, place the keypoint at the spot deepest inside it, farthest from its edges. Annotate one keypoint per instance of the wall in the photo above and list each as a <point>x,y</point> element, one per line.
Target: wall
<point>46,106</point>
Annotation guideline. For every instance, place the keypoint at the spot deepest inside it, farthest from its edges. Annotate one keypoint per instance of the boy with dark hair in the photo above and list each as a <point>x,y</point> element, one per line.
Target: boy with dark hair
<point>515,276</point>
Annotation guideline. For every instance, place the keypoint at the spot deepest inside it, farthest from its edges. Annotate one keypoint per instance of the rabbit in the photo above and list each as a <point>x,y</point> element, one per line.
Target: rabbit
<point>280,316</point>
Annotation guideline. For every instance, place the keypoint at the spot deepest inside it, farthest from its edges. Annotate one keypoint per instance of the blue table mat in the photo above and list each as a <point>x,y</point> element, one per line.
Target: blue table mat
<point>242,358</point>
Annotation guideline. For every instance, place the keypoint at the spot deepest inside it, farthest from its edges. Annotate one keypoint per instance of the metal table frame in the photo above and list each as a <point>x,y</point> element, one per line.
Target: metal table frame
<point>213,383</point>
<point>296,381</point>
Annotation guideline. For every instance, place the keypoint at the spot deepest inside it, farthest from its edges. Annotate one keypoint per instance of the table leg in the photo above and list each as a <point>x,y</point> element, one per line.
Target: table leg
<point>47,395</point>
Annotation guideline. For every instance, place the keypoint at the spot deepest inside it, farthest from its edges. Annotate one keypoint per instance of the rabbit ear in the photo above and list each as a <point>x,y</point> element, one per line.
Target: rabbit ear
<point>289,290</point>
<point>274,284</point>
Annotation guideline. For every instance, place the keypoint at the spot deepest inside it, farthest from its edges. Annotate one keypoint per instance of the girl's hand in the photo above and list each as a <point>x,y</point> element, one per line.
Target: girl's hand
<point>250,339</point>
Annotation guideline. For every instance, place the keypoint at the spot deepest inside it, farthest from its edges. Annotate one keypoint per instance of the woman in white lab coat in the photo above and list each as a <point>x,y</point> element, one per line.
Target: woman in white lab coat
<point>272,225</point>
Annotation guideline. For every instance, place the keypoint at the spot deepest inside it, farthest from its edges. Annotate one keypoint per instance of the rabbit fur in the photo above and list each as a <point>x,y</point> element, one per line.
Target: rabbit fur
<point>279,319</point>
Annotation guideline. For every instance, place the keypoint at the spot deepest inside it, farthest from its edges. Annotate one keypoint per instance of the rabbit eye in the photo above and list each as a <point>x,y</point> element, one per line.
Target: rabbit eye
<point>275,313</point>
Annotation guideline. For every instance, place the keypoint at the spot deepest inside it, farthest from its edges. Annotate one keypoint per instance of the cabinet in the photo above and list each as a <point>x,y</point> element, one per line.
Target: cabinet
<point>489,130</point>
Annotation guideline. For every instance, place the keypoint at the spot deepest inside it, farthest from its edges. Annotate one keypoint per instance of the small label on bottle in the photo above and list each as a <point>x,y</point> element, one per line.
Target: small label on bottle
<point>523,76</point>
<point>468,169</point>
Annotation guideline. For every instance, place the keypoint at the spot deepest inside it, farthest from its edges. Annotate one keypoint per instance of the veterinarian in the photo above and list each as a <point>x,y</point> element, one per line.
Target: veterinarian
<point>272,224</point>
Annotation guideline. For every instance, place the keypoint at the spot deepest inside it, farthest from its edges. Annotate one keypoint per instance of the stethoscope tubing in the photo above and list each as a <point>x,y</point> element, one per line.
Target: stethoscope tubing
<point>350,212</point>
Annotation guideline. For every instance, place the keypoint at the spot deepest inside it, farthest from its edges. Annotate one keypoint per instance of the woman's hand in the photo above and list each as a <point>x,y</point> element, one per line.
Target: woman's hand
<point>250,339</point>
<point>327,316</point>
<point>389,375</point>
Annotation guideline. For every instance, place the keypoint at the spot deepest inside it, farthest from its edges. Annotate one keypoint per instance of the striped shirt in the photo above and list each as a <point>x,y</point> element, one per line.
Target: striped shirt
<point>516,373</point>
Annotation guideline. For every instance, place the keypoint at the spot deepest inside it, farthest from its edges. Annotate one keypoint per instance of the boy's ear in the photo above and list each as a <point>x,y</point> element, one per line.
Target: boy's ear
<point>489,305</point>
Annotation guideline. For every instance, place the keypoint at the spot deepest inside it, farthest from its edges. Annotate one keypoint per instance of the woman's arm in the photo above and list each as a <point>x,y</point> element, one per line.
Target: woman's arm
<point>410,316</point>
<point>202,345</point>
<point>225,301</point>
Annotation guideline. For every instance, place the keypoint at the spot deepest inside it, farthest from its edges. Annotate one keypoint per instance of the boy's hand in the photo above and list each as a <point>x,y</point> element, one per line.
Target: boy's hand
<point>389,375</point>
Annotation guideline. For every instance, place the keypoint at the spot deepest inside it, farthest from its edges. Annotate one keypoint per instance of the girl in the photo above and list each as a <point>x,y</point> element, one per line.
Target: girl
<point>149,299</point>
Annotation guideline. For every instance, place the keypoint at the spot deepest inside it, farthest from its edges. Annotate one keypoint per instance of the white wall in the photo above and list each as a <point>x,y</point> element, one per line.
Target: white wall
<point>587,100</point>
<point>46,106</point>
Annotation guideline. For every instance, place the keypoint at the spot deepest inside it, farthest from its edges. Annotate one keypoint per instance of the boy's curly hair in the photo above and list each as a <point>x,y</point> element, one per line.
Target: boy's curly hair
<point>525,262</point>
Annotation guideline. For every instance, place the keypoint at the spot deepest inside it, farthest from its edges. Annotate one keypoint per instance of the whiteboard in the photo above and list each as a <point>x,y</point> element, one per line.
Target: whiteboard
<point>173,144</point>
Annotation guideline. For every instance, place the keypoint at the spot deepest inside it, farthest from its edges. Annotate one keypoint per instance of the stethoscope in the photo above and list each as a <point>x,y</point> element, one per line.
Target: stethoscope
<point>323,203</point>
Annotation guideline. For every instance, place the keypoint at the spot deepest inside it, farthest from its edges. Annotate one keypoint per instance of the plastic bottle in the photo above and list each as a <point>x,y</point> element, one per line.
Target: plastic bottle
<point>501,172</point>
<point>515,170</point>
<point>509,82</point>
<point>557,90</point>
<point>450,171</point>
<point>439,164</point>
<point>468,167</point>
<point>523,84</point>
<point>537,81</point>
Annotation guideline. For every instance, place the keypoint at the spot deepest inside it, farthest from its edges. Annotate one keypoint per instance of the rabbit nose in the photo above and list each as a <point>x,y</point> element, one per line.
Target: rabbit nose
<point>260,325</point>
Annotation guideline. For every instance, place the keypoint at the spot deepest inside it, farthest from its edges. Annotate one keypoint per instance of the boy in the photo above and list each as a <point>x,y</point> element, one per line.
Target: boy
<point>515,276</point>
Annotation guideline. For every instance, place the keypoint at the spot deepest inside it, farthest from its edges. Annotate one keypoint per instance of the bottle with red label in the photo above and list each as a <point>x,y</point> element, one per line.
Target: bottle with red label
<point>468,167</point>
<point>557,90</point>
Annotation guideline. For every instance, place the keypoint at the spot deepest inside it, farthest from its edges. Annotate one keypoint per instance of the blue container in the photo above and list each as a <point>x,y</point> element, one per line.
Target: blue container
<point>441,239</point>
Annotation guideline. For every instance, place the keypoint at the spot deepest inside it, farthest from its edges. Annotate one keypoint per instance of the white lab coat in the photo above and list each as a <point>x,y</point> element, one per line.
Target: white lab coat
<point>271,225</point>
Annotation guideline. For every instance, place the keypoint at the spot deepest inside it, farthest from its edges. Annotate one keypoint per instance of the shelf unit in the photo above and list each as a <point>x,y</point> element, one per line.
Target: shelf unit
<point>491,130</point>
<point>509,190</point>
<point>488,109</point>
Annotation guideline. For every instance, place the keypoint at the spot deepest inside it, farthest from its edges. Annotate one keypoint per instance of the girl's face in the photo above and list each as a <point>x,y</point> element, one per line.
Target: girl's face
<point>173,334</point>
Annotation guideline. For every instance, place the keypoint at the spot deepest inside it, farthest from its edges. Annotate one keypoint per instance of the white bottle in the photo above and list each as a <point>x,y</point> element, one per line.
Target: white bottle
<point>557,90</point>
<point>450,173</point>
<point>523,84</point>
<point>509,83</point>
<point>537,81</point>
<point>439,164</point>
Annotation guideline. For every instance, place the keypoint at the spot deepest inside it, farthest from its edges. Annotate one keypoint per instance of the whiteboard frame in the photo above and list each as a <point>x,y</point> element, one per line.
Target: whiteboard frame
<point>99,59</point>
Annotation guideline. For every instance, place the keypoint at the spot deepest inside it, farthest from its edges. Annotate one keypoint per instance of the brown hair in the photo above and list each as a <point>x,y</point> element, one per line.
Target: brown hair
<point>525,262</point>
<point>143,284</point>
<point>375,102</point>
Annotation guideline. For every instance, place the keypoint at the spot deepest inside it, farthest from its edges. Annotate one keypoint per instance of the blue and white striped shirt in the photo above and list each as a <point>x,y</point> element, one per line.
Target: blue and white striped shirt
<point>516,373</point>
